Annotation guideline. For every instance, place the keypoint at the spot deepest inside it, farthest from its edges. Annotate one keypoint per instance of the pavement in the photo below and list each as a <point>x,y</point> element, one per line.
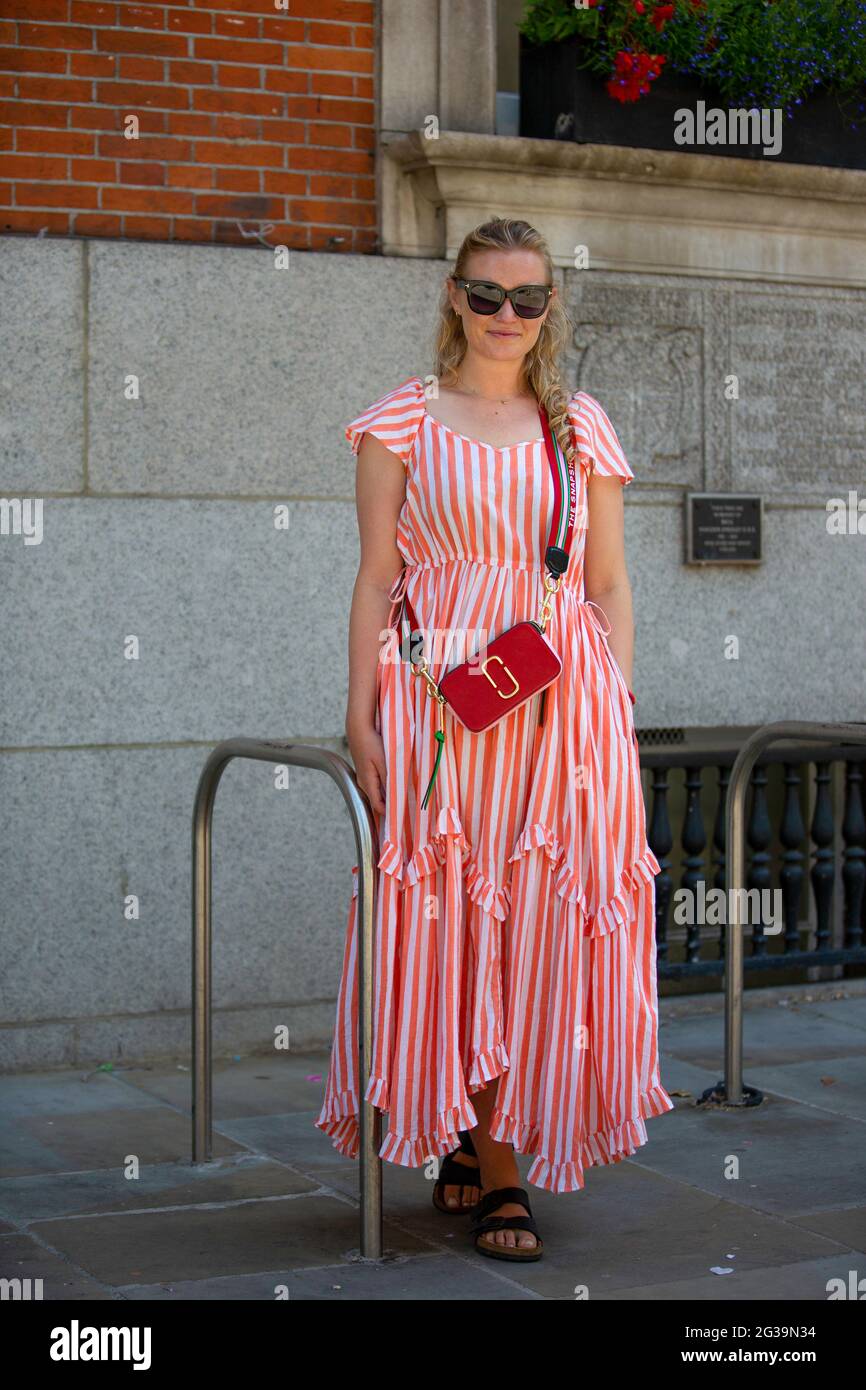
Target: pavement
<point>99,1199</point>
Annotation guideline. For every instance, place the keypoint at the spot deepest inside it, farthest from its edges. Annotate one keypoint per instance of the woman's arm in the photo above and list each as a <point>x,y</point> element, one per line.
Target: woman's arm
<point>606,580</point>
<point>380,491</point>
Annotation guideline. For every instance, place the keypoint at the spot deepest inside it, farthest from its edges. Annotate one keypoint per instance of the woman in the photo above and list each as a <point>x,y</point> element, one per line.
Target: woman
<point>515,994</point>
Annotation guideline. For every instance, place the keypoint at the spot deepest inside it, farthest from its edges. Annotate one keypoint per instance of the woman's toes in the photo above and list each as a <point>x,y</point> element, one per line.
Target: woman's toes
<point>525,1239</point>
<point>461,1196</point>
<point>506,1236</point>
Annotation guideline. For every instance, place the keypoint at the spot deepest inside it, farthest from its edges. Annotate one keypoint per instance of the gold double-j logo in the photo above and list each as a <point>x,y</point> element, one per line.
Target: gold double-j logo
<point>505,694</point>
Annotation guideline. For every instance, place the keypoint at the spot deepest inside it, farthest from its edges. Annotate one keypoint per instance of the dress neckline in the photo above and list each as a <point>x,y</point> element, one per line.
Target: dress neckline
<point>481,443</point>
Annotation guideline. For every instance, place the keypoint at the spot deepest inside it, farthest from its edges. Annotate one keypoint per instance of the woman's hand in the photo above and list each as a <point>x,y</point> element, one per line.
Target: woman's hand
<point>368,755</point>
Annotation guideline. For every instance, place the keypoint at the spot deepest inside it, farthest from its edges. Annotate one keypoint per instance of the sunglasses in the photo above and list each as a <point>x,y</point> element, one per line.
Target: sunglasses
<point>486,297</point>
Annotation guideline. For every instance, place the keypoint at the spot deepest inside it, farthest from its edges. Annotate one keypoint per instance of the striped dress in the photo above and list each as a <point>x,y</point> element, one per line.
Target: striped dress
<point>515,912</point>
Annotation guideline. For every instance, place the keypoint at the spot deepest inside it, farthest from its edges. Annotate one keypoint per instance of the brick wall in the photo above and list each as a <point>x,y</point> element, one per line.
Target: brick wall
<point>248,115</point>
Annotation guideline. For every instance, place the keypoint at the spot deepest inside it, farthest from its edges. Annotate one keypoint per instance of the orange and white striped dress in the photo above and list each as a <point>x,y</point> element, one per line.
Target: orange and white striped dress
<point>515,912</point>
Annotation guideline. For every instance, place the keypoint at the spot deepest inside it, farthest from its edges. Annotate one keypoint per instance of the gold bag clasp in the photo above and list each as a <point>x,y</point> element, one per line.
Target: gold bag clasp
<point>506,695</point>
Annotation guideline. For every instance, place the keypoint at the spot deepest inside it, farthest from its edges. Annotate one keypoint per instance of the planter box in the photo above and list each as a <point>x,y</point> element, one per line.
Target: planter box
<point>561,101</point>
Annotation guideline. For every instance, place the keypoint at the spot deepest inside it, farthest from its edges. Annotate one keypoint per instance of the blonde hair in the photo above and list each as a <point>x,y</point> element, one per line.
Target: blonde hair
<point>541,364</point>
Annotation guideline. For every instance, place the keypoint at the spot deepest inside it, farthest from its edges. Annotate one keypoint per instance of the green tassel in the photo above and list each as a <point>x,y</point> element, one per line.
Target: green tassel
<point>439,735</point>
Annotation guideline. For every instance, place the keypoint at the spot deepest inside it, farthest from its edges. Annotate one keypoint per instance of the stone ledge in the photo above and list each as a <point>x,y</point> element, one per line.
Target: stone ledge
<point>636,210</point>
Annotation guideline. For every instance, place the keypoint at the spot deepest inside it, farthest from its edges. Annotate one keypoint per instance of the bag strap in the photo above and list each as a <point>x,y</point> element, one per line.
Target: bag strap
<point>562,525</point>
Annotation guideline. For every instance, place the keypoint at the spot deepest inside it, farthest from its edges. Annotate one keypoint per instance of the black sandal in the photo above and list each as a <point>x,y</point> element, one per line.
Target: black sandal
<point>454,1174</point>
<point>482,1225</point>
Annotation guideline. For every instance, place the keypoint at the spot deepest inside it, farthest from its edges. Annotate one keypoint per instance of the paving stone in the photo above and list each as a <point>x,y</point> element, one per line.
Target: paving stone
<point>771,1036</point>
<point>292,1138</point>
<point>679,1075</point>
<point>832,1083</point>
<point>22,1257</point>
<point>66,1093</point>
<point>427,1278</point>
<point>847,1226</point>
<point>21,1153</point>
<point>851,1011</point>
<point>793,1158</point>
<point>806,1280</point>
<point>100,1139</point>
<point>252,1086</point>
<point>249,1237</point>
<point>162,1185</point>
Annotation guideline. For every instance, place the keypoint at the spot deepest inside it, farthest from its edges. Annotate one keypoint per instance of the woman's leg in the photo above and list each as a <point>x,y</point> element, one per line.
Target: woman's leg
<point>498,1166</point>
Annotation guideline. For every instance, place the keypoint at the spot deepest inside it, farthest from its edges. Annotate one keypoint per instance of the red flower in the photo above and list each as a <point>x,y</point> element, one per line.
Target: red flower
<point>633,73</point>
<point>660,15</point>
<point>639,6</point>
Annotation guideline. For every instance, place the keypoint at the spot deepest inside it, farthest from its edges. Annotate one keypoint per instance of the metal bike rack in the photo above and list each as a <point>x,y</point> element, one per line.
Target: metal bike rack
<point>298,755</point>
<point>732,1091</point>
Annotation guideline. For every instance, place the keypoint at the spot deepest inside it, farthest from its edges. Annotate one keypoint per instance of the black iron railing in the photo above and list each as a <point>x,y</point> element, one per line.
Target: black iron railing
<point>805,845</point>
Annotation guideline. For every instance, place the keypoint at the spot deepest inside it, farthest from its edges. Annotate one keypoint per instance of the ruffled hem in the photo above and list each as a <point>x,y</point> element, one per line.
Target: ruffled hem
<point>425,860</point>
<point>486,1066</point>
<point>602,1147</point>
<point>340,1122</point>
<point>496,902</point>
<point>412,1153</point>
<point>495,899</point>
<point>391,860</point>
<point>338,1117</point>
<point>538,836</point>
<point>618,911</point>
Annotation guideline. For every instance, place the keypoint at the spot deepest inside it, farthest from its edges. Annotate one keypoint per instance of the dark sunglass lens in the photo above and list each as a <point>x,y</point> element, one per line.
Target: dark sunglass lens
<point>484,299</point>
<point>530,302</point>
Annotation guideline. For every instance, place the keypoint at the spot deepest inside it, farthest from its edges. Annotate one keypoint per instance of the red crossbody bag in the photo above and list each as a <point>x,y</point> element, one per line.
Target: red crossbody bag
<point>520,662</point>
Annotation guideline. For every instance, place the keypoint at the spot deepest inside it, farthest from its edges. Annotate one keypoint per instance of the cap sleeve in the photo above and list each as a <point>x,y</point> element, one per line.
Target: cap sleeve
<point>394,418</point>
<point>598,447</point>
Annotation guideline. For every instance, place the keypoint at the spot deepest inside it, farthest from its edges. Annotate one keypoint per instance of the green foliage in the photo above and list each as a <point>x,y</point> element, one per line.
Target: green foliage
<point>765,53</point>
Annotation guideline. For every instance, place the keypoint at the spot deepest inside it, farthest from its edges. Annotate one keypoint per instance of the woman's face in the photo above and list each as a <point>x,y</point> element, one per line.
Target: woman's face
<point>503,336</point>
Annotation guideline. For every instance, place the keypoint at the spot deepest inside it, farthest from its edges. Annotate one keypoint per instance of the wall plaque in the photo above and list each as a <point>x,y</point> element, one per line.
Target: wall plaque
<point>724,528</point>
